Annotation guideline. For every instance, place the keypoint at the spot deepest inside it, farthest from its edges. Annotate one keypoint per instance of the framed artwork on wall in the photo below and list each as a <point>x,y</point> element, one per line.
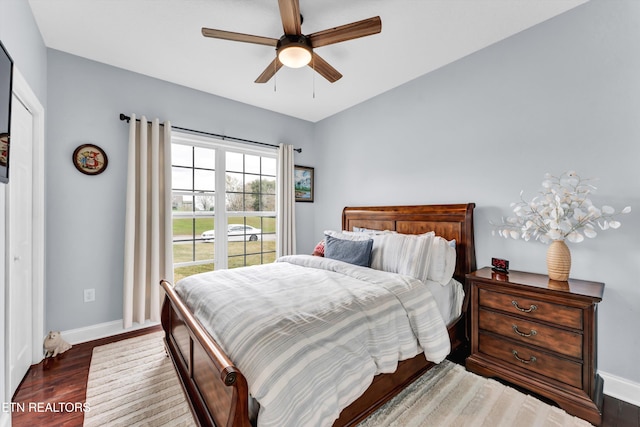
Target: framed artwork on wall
<point>90,159</point>
<point>303,178</point>
<point>6,88</point>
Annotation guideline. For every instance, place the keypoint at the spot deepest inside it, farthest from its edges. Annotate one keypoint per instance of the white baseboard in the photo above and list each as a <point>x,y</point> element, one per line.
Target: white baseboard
<point>621,388</point>
<point>101,330</point>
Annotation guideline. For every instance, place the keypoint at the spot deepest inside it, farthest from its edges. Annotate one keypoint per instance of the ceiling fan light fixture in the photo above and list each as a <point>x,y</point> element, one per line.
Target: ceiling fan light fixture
<point>294,56</point>
<point>294,51</point>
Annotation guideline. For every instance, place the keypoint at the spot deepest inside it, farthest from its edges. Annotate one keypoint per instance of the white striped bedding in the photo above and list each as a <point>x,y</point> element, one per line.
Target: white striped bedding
<point>310,333</point>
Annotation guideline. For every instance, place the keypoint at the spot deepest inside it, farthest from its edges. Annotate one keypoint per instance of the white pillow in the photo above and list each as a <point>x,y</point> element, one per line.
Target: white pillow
<point>347,235</point>
<point>407,254</point>
<point>371,231</point>
<point>443,261</point>
<point>450,266</point>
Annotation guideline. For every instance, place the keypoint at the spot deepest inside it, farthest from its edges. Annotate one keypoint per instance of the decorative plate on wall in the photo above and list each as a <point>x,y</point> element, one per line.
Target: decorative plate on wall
<point>90,159</point>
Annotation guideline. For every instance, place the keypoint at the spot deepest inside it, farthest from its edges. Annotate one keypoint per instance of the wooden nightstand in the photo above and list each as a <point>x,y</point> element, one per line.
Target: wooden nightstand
<point>540,335</point>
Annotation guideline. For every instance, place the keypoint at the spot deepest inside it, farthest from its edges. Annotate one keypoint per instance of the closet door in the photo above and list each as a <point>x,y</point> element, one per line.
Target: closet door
<point>20,246</point>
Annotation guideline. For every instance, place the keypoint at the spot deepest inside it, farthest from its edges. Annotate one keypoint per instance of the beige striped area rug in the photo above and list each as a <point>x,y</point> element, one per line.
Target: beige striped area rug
<point>450,396</point>
<point>133,383</point>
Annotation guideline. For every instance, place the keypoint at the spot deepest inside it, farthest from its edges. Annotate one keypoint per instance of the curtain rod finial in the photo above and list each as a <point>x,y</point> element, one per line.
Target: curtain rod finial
<point>299,150</point>
<point>123,117</point>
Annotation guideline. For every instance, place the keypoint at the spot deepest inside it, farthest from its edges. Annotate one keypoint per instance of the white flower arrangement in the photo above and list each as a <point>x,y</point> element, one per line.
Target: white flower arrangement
<point>562,211</point>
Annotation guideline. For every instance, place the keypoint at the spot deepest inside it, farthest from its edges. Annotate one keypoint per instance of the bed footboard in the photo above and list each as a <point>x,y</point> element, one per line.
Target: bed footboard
<point>217,391</point>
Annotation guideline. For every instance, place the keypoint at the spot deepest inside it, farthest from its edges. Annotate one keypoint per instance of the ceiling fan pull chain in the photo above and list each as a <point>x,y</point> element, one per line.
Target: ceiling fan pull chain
<point>275,78</point>
<point>313,75</point>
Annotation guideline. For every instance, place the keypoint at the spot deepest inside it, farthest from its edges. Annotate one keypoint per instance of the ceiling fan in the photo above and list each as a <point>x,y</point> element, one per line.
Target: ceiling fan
<point>295,49</point>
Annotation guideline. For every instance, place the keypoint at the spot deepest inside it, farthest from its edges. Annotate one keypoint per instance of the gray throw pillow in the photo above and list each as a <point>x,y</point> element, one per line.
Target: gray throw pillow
<point>357,252</point>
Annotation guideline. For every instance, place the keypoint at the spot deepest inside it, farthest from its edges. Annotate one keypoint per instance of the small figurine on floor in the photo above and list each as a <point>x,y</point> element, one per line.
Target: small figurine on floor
<point>54,344</point>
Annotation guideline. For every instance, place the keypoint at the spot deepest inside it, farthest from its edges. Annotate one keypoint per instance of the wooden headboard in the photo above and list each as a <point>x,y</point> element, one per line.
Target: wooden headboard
<point>448,221</point>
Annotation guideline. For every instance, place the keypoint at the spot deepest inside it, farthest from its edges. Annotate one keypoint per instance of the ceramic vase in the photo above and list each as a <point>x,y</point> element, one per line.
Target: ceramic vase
<point>558,261</point>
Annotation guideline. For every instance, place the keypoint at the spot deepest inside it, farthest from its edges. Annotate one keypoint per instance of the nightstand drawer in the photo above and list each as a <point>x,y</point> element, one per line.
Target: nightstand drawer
<point>532,308</point>
<point>532,359</point>
<point>532,333</point>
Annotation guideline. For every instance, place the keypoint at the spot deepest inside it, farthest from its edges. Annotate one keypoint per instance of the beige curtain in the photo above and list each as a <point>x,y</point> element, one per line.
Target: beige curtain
<point>286,226</point>
<point>148,236</point>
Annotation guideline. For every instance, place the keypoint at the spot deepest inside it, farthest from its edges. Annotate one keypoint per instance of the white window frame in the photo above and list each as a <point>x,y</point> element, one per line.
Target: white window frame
<point>221,216</point>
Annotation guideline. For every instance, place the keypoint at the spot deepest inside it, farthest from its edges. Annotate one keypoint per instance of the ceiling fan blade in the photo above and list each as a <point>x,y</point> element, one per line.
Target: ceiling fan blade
<point>290,15</point>
<point>363,28</point>
<point>270,71</point>
<point>238,37</point>
<point>324,69</point>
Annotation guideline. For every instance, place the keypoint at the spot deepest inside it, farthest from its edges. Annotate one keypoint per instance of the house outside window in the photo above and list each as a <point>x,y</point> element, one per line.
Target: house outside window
<point>223,204</point>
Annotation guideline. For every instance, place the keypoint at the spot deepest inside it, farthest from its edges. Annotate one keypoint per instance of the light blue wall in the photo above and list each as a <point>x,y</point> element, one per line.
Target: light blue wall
<point>562,95</point>
<point>21,37</point>
<point>85,214</point>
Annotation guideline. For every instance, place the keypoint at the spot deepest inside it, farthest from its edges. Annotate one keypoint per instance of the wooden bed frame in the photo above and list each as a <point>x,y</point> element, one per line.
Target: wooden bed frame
<point>217,391</point>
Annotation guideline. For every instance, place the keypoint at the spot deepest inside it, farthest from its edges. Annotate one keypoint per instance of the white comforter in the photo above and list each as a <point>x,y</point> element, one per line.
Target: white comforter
<point>310,333</point>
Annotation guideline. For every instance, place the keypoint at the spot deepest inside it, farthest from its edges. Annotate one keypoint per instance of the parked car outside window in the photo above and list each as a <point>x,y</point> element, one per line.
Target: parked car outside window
<point>235,233</point>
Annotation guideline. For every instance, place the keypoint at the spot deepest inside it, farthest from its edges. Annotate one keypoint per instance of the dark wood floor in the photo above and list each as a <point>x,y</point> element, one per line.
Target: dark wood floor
<point>53,392</point>
<point>61,383</point>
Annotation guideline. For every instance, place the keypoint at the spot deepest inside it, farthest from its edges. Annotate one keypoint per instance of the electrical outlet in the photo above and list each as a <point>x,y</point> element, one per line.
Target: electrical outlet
<point>89,295</point>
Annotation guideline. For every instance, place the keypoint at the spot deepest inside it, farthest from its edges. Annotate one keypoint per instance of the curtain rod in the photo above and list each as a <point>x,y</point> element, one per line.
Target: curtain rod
<point>126,118</point>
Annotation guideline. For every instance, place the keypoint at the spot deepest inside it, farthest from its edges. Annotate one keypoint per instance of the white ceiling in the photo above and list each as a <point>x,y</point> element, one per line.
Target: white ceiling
<point>162,39</point>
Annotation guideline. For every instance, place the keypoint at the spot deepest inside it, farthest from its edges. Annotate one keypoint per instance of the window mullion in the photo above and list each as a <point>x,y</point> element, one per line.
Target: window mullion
<point>193,204</point>
<point>220,219</point>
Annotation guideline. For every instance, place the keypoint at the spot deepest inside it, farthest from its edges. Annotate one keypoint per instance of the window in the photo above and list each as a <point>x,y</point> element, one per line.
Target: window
<point>209,174</point>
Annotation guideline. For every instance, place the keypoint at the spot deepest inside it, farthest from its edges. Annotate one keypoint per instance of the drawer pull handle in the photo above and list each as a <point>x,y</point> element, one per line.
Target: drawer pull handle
<point>524,310</point>
<point>522,334</point>
<point>532,359</point>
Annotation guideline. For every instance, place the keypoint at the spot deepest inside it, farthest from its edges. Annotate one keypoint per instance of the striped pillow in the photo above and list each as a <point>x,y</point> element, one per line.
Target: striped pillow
<point>407,254</point>
<point>443,261</point>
